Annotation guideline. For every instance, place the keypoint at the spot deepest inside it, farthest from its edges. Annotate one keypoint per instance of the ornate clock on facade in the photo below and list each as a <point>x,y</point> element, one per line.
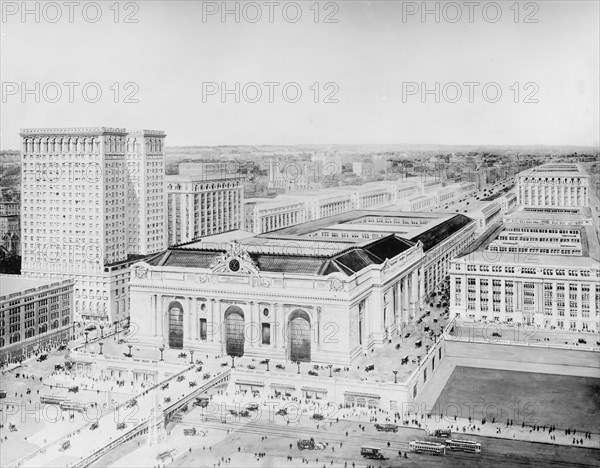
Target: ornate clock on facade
<point>234,265</point>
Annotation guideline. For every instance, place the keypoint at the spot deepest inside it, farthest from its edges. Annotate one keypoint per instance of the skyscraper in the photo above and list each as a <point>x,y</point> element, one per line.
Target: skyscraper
<point>93,201</point>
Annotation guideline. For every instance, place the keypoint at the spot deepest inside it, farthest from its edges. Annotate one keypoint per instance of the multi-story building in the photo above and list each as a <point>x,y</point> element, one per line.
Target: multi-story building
<point>557,184</point>
<point>297,175</point>
<point>35,314</point>
<point>10,208</point>
<point>145,192</point>
<point>267,214</point>
<point>363,168</point>
<point>507,202</point>
<point>76,187</point>
<point>324,291</point>
<point>531,274</point>
<point>202,203</point>
<point>486,216</point>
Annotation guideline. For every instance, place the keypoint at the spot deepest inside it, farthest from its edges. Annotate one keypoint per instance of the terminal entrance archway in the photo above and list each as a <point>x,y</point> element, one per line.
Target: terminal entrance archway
<point>300,336</point>
<point>234,331</point>
<point>175,325</point>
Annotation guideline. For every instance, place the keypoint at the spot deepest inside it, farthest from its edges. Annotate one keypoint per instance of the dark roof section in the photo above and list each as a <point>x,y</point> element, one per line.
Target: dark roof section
<point>442,231</point>
<point>347,262</point>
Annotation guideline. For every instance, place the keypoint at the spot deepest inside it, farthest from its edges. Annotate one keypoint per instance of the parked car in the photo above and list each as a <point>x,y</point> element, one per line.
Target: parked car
<point>180,378</point>
<point>121,426</point>
<point>94,426</point>
<point>42,357</point>
<point>192,383</point>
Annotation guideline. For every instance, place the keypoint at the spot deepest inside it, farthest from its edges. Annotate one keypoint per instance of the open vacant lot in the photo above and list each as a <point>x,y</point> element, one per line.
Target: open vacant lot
<point>542,399</point>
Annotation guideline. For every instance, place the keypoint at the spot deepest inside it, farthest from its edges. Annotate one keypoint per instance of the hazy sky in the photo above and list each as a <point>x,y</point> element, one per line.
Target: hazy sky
<point>369,56</point>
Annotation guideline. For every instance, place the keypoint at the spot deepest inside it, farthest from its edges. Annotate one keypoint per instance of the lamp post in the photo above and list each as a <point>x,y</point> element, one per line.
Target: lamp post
<point>101,331</point>
<point>233,362</point>
<point>161,349</point>
<point>395,376</point>
<point>116,323</point>
<point>100,343</point>
<point>330,366</point>
<point>130,346</point>
<point>86,338</point>
<point>267,360</point>
<point>191,356</point>
<point>298,362</point>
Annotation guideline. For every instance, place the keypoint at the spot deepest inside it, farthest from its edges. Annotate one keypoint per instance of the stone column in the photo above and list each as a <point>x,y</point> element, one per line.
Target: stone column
<point>414,293</point>
<point>153,313</point>
<point>211,313</point>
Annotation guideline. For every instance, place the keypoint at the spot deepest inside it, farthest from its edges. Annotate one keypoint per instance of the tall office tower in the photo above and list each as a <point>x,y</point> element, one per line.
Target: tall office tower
<point>145,192</point>
<point>75,185</point>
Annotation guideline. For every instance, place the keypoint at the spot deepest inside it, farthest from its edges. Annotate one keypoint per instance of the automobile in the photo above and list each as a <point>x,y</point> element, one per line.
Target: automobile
<point>12,428</point>
<point>181,378</point>
<point>199,369</point>
<point>120,426</point>
<point>131,403</point>
<point>443,433</point>
<point>58,367</point>
<point>312,372</point>
<point>582,341</point>
<point>252,407</point>
<point>426,328</point>
<point>407,335</point>
<point>404,360</point>
<point>418,344</point>
<point>121,341</point>
<point>318,417</point>
<point>305,444</point>
<point>62,347</point>
<point>94,426</point>
<point>42,357</point>
<point>496,334</point>
<point>281,412</point>
<point>165,386</point>
<point>386,427</point>
<point>65,445</point>
<point>233,412</point>
<point>244,413</point>
<point>90,328</point>
<point>192,383</point>
<point>251,366</point>
<point>280,367</point>
<point>182,355</point>
<point>74,389</point>
<point>202,402</point>
<point>206,376</point>
<point>167,399</point>
<point>372,453</point>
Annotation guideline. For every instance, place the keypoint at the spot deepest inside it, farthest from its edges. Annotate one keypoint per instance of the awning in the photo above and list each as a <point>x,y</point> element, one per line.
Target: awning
<point>145,371</point>
<point>248,382</point>
<point>364,395</point>
<point>313,389</point>
<point>284,386</point>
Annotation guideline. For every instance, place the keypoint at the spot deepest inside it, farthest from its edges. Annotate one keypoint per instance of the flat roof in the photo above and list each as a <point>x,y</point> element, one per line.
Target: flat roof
<point>10,284</point>
<point>556,170</point>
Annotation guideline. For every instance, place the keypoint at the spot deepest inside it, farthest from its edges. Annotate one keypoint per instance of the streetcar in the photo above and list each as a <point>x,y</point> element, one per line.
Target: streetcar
<point>422,446</point>
<point>463,445</point>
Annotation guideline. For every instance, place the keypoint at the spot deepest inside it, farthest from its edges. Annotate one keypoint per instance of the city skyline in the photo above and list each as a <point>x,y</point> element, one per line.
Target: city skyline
<point>369,61</point>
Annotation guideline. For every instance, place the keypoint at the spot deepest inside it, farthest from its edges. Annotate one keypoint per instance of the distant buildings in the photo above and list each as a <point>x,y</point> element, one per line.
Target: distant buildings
<point>558,184</point>
<point>296,175</point>
<point>92,199</point>
<point>363,168</point>
<point>203,200</point>
<point>34,314</point>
